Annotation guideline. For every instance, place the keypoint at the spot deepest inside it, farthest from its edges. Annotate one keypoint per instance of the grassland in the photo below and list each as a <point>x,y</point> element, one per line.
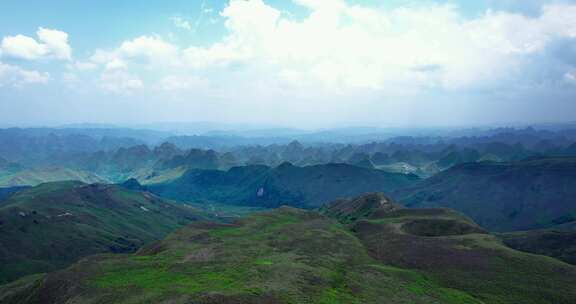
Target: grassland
<point>290,255</point>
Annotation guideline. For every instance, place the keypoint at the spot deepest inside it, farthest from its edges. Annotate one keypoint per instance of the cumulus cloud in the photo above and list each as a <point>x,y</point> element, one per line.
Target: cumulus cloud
<point>11,75</point>
<point>337,60</point>
<point>115,64</point>
<point>150,48</point>
<point>21,46</point>
<point>56,43</point>
<point>119,67</point>
<point>50,44</point>
<point>342,47</point>
<point>144,50</point>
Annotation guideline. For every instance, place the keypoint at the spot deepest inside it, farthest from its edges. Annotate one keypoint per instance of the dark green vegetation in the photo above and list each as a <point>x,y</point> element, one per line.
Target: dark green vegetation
<point>263,186</point>
<point>6,192</point>
<point>295,256</point>
<point>52,225</point>
<point>522,195</point>
<point>558,242</point>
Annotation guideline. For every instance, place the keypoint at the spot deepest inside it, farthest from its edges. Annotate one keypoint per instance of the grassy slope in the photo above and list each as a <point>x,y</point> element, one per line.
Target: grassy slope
<point>294,256</point>
<point>52,225</point>
<point>348,211</point>
<point>283,256</point>
<point>460,255</point>
<point>163,176</point>
<point>558,242</point>
<point>520,195</point>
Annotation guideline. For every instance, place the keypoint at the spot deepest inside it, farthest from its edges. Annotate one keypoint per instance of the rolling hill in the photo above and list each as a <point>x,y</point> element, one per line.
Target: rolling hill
<point>54,224</point>
<point>388,254</point>
<point>510,196</point>
<point>263,186</point>
<point>454,252</point>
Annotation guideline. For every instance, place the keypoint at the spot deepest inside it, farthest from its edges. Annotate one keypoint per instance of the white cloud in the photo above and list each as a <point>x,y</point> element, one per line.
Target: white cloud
<point>149,47</point>
<point>50,44</point>
<point>11,75</point>
<point>570,78</point>
<point>347,46</point>
<point>83,66</point>
<point>115,64</point>
<point>120,82</point>
<point>143,50</point>
<point>335,62</point>
<point>181,23</point>
<point>56,43</point>
<point>178,83</point>
<point>119,68</point>
<point>101,57</point>
<point>23,47</point>
<point>340,47</point>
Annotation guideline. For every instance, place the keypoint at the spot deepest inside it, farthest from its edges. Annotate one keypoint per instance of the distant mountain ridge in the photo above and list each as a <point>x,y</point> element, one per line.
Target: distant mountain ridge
<point>116,154</point>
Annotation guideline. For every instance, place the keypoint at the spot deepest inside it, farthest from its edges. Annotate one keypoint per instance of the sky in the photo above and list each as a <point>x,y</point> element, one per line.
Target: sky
<point>296,63</point>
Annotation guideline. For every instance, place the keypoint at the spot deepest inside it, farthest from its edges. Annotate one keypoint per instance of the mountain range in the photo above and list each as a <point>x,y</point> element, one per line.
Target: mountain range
<point>105,215</point>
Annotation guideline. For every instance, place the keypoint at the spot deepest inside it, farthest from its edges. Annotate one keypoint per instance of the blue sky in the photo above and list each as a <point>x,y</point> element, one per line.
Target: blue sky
<point>300,63</point>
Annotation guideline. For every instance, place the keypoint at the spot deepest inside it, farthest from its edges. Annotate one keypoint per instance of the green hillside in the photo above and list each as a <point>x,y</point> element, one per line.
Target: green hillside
<point>52,225</point>
<point>558,242</point>
<point>6,192</point>
<point>294,256</point>
<point>263,186</point>
<point>511,196</point>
